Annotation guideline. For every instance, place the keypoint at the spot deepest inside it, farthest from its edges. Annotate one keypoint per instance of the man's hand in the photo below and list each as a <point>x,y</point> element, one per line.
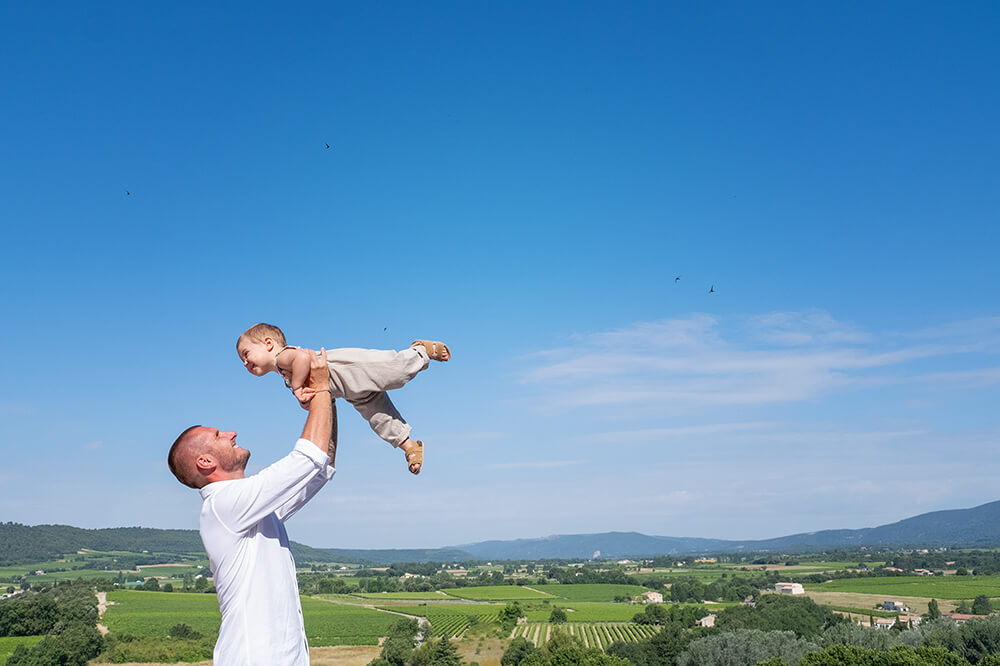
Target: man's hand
<point>319,373</point>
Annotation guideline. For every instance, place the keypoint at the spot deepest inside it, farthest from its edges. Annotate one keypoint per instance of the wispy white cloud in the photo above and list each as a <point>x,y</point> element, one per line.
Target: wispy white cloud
<point>765,359</point>
<point>805,328</point>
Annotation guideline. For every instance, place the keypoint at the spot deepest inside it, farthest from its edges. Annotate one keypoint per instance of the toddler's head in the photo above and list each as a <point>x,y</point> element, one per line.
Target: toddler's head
<point>258,346</point>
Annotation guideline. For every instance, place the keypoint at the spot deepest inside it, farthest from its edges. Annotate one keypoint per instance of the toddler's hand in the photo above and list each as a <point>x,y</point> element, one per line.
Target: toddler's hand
<point>304,395</point>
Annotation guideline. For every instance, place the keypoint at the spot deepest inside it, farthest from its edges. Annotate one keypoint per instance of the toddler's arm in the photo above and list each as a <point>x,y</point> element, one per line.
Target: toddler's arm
<point>296,362</point>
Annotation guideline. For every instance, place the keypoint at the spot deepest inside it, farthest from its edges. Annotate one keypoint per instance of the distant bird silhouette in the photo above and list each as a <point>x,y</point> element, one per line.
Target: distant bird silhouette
<point>712,290</point>
<point>127,193</point>
<point>385,329</point>
<point>677,279</point>
<point>327,145</point>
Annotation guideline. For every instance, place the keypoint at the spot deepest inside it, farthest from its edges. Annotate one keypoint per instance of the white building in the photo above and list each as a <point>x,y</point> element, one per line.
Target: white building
<point>789,588</point>
<point>707,621</point>
<point>652,598</point>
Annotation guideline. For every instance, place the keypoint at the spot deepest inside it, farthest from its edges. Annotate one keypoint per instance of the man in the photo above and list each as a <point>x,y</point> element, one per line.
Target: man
<point>242,527</point>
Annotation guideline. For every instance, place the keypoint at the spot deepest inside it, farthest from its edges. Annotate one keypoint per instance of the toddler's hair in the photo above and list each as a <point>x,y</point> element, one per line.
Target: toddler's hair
<point>258,332</point>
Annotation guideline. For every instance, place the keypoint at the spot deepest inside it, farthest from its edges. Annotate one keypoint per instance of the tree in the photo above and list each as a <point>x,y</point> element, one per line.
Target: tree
<point>10,589</point>
<point>509,615</point>
<point>933,612</point>
<point>150,584</point>
<point>964,607</point>
<point>858,636</point>
<point>445,654</point>
<point>398,646</point>
<point>200,584</point>
<point>982,605</point>
<point>745,647</point>
<point>183,631</point>
<point>775,612</point>
<point>517,651</point>
<point>557,616</point>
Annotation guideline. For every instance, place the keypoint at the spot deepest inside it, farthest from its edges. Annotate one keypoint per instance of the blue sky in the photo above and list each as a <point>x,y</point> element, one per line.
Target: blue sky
<point>524,181</point>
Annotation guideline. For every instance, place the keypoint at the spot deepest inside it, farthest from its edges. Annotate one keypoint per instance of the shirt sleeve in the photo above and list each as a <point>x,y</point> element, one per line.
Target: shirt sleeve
<point>287,484</point>
<point>289,508</point>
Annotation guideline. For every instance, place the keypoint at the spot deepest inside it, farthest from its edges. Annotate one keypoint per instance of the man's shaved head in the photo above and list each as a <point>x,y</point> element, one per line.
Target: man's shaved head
<point>181,459</point>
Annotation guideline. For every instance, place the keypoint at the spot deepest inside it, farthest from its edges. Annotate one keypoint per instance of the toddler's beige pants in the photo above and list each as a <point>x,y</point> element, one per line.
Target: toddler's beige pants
<point>362,377</point>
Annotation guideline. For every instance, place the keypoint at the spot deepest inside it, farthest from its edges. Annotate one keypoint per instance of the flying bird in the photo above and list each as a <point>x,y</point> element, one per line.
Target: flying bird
<point>328,146</point>
<point>127,193</point>
<point>712,290</point>
<point>677,279</point>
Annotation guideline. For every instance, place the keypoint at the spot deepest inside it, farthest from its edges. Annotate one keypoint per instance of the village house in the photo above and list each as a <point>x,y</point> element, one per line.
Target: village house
<point>962,618</point>
<point>895,606</point>
<point>884,622</point>
<point>789,588</point>
<point>652,598</point>
<point>707,621</point>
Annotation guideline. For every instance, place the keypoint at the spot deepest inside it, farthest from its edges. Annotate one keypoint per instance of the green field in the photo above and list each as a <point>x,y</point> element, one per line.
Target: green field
<point>599,635</point>
<point>930,587</point>
<point>421,596</point>
<point>339,624</point>
<point>9,643</point>
<point>594,591</point>
<point>498,593</point>
<point>452,619</point>
<point>587,611</point>
<point>142,613</point>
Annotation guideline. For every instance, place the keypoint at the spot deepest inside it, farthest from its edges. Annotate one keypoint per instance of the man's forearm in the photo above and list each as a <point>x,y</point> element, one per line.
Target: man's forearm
<point>319,423</point>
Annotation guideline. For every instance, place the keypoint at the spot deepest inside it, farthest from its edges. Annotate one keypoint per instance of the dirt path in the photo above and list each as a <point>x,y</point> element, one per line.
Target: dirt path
<point>102,605</point>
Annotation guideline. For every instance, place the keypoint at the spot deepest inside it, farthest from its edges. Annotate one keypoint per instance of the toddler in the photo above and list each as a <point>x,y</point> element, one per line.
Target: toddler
<point>360,376</point>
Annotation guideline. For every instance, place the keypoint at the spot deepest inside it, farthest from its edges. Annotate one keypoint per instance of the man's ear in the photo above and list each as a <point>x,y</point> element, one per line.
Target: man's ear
<point>205,463</point>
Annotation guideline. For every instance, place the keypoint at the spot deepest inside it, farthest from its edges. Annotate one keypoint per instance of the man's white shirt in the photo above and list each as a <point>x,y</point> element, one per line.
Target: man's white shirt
<point>242,527</point>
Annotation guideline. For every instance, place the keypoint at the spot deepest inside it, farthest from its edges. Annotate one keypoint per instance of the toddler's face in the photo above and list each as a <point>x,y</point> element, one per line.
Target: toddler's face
<point>257,357</point>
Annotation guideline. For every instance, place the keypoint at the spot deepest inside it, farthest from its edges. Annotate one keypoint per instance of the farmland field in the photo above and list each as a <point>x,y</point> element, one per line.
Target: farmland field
<point>594,591</point>
<point>453,619</point>
<point>403,595</point>
<point>153,613</point>
<point>498,593</point>
<point>142,613</point>
<point>339,624</point>
<point>9,643</point>
<point>936,587</point>
<point>586,611</point>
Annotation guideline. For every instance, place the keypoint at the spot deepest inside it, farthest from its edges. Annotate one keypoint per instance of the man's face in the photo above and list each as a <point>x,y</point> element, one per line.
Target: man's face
<point>257,357</point>
<point>228,455</point>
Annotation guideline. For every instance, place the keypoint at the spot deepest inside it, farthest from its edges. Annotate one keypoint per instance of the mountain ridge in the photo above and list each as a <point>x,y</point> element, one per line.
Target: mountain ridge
<point>976,527</point>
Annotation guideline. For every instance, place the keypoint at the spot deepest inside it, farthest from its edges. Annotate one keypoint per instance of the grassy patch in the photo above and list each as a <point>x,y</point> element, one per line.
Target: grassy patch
<point>928,587</point>
<point>594,591</point>
<point>339,624</point>
<point>142,613</point>
<point>9,643</point>
<point>420,596</point>
<point>498,593</point>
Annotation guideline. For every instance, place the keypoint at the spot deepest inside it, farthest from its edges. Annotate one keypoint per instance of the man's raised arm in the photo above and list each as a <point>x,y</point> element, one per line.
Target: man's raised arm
<point>319,423</point>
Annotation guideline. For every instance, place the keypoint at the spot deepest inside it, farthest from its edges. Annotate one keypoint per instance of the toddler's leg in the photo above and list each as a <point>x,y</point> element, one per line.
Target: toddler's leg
<point>386,421</point>
<point>355,373</point>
